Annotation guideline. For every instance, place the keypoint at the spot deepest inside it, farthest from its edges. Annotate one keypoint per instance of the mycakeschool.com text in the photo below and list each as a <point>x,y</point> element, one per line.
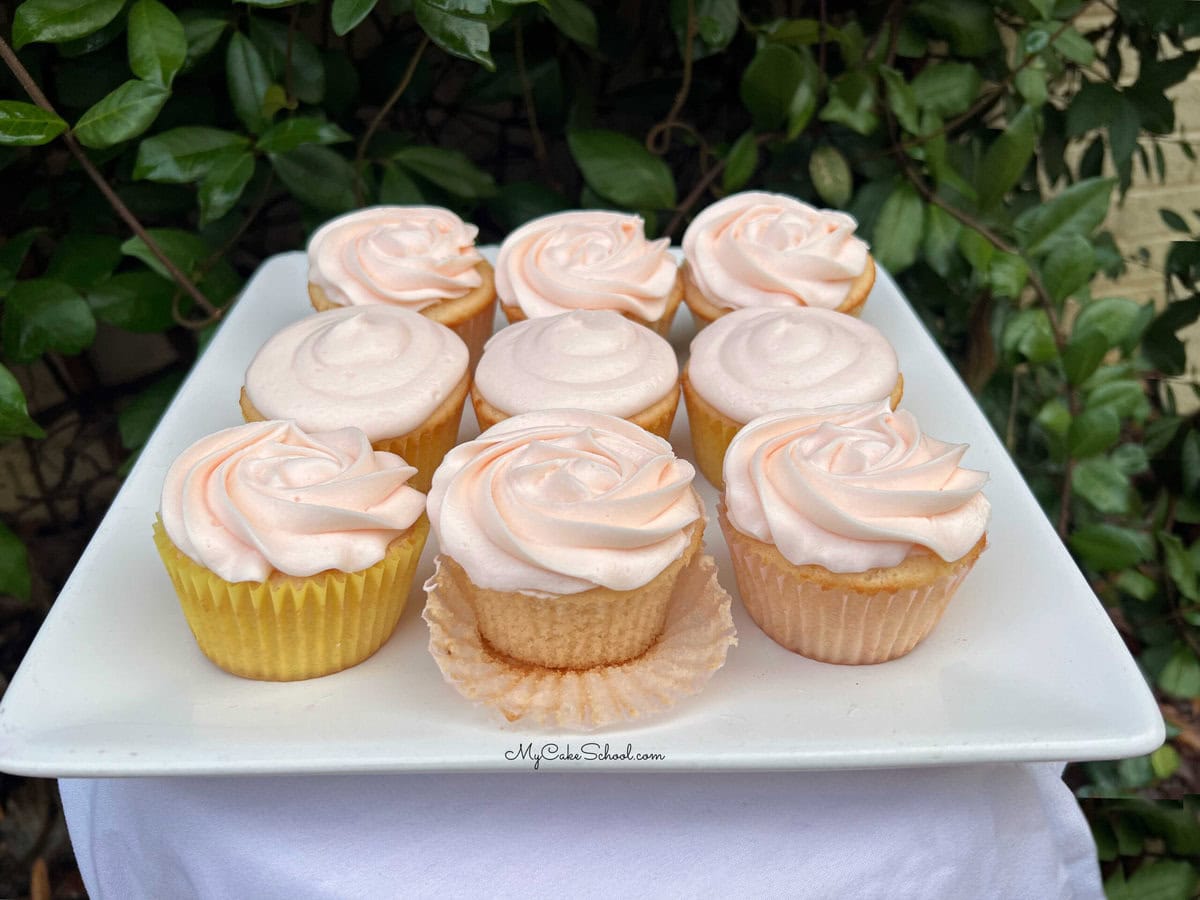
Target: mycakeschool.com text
<point>535,754</point>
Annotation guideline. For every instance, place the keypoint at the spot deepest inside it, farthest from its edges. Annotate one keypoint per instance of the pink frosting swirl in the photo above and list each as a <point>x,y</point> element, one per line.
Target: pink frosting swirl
<point>410,256</point>
<point>563,501</point>
<point>266,496</point>
<point>585,260</point>
<point>760,249</point>
<point>852,488</point>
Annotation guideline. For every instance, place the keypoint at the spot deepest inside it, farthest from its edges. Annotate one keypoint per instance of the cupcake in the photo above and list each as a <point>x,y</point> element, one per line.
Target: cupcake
<point>759,249</point>
<point>756,361</point>
<point>849,529</point>
<point>567,530</point>
<point>592,359</point>
<point>420,258</point>
<point>292,553</point>
<point>588,260</point>
<point>399,376</point>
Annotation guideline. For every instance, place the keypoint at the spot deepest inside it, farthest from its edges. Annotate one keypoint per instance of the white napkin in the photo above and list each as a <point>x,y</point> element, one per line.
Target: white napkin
<point>993,831</point>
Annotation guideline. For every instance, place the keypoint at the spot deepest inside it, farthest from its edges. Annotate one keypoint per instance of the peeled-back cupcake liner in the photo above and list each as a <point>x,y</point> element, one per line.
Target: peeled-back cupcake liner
<point>835,624</point>
<point>693,644</point>
<point>289,628</point>
<point>656,419</point>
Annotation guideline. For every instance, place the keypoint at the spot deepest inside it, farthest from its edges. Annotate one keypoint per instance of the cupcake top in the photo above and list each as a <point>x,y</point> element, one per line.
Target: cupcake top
<point>588,359</point>
<point>852,488</point>
<point>587,259</point>
<point>266,496</point>
<point>410,256</point>
<point>755,361</point>
<point>563,501</point>
<point>380,368</point>
<point>760,249</point>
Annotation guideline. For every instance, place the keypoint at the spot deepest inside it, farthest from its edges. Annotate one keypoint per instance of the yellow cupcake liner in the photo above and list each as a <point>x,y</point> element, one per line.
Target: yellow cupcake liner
<point>475,330</point>
<point>691,646</point>
<point>289,628</point>
<point>657,419</point>
<point>836,624</point>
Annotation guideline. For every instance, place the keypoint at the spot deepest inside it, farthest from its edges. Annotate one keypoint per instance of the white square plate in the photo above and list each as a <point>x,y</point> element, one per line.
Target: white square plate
<point>1025,664</point>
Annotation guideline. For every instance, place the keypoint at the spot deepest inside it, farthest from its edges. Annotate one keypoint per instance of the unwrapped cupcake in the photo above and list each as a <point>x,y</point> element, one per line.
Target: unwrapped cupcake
<point>592,359</point>
<point>761,249</point>
<point>399,376</point>
<point>588,259</point>
<point>849,529</point>
<point>292,553</point>
<point>755,361</point>
<point>420,258</point>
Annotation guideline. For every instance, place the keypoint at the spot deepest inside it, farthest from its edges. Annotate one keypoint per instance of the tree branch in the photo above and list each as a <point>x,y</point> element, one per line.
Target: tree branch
<point>360,153</point>
<point>658,140</point>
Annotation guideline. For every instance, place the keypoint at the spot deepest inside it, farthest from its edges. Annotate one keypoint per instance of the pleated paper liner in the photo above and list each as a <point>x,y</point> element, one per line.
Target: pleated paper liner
<point>290,628</point>
<point>693,645</point>
<point>656,419</point>
<point>830,621</point>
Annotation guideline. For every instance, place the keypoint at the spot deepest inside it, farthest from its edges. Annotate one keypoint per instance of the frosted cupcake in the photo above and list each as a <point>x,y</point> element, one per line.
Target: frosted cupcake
<point>292,553</point>
<point>586,359</point>
<point>420,258</point>
<point>849,529</point>
<point>588,259</point>
<point>760,249</point>
<point>567,530</point>
<point>399,376</point>
<point>756,361</point>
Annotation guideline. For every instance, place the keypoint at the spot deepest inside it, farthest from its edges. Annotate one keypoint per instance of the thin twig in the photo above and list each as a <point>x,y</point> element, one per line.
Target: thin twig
<point>360,153</point>
<point>288,75</point>
<point>119,207</point>
<point>658,139</point>
<point>535,133</point>
<point>703,185</point>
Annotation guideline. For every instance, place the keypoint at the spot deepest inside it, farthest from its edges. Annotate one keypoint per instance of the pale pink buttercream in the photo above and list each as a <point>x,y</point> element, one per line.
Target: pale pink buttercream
<point>265,497</point>
<point>852,488</point>
<point>587,259</point>
<point>760,249</point>
<point>562,501</point>
<point>755,361</point>
<point>411,256</point>
<point>379,368</point>
<point>585,359</point>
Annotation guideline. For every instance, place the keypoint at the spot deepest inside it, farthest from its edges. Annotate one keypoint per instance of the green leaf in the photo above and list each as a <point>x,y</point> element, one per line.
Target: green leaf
<point>318,176</point>
<point>134,301</point>
<point>1069,267</point>
<point>831,175</point>
<point>941,239</point>
<point>1083,353</point>
<point>716,25</point>
<point>1107,548</point>
<point>1174,220</point>
<point>26,125</point>
<point>1029,334</point>
<point>45,315</point>
<point>308,68</point>
<point>448,169</point>
<point>1074,47</point>
<point>183,248</point>
<point>459,34</point>
<point>897,235</point>
<point>1123,126</point>
<point>1161,344</point>
<point>157,43</point>
<point>852,103</point>
<point>1090,107</point>
<point>185,154</point>
<point>1180,677</point>
<point>248,80</point>
<point>397,187</point>
<point>902,99</point>
<point>1190,463</point>
<point>348,13</point>
<point>1078,210</point>
<point>123,114</point>
<point>574,19</point>
<point>83,260</point>
<point>1116,318</point>
<point>1180,566</point>
<point>222,186</point>
<point>969,25</point>
<point>1131,459</point>
<point>770,83</point>
<point>292,133</point>
<point>12,257</point>
<point>14,565</point>
<point>518,202</point>
<point>1165,762</point>
<point>61,20</point>
<point>1093,431</point>
<point>1137,585</point>
<point>1007,158</point>
<point>15,420</point>
<point>136,421</point>
<point>202,29</point>
<point>1101,483</point>
<point>1031,84</point>
<point>621,169</point>
<point>947,89</point>
<point>1127,399</point>
<point>1007,274</point>
<point>740,163</point>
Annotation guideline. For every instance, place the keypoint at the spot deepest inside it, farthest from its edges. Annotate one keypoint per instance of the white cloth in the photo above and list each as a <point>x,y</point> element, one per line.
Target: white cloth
<point>992,831</point>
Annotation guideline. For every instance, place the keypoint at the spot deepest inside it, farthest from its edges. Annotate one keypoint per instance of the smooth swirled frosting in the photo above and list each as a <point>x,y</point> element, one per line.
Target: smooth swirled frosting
<point>411,256</point>
<point>760,249</point>
<point>266,496</point>
<point>379,368</point>
<point>755,361</point>
<point>562,501</point>
<point>587,359</point>
<point>588,259</point>
<point>852,488</point>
